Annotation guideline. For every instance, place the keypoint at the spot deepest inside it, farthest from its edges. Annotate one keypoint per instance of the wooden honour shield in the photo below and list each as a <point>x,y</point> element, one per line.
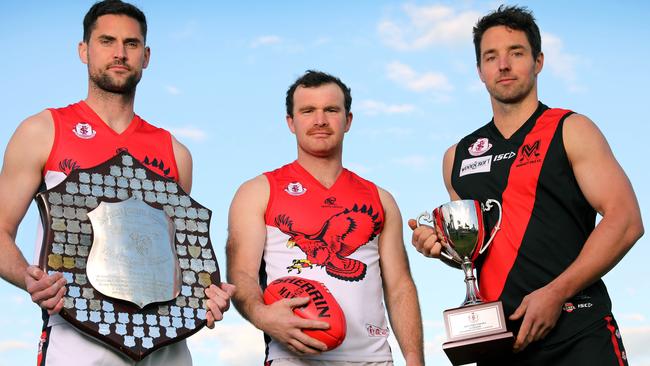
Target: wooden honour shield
<point>133,312</point>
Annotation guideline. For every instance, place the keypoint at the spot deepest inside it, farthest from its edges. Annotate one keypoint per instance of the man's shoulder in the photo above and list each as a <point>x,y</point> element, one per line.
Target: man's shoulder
<point>37,124</point>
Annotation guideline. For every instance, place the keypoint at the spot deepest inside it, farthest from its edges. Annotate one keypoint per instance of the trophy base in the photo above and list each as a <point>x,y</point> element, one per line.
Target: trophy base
<point>478,349</point>
<point>476,333</point>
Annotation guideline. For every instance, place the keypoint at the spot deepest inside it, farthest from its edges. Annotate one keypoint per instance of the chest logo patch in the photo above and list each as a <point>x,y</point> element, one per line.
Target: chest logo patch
<point>529,154</point>
<point>480,147</point>
<point>339,237</point>
<point>295,189</point>
<point>475,165</point>
<point>84,131</point>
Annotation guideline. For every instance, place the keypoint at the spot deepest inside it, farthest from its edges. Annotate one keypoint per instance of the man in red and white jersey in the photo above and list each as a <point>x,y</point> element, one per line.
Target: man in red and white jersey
<point>553,171</point>
<point>48,145</point>
<point>315,219</point>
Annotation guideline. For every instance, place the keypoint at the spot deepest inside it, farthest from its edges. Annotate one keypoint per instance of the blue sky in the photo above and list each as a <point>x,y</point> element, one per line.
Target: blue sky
<point>218,76</point>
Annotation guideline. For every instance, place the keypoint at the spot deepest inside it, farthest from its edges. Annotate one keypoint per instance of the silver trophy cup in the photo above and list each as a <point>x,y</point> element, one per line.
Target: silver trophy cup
<point>476,330</point>
<point>461,225</point>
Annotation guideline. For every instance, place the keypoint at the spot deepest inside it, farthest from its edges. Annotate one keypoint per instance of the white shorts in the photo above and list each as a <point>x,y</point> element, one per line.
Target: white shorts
<point>303,362</point>
<point>70,347</point>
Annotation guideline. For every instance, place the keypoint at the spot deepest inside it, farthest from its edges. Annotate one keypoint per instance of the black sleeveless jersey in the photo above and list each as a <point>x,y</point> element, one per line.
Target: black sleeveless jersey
<point>546,219</point>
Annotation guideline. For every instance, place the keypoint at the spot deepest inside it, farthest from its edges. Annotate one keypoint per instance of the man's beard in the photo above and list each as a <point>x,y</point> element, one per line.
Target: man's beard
<point>106,83</point>
<point>514,97</point>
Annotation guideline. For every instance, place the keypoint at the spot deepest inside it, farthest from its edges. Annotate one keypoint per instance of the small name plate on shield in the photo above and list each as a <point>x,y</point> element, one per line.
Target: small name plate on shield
<point>135,250</point>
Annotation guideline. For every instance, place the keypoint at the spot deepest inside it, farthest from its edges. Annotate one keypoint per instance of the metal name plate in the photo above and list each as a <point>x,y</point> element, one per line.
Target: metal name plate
<point>133,257</point>
<point>133,282</point>
<point>474,320</point>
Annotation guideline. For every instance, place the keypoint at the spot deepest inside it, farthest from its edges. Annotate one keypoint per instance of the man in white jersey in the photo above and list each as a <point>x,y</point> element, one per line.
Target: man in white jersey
<point>315,219</point>
<point>114,50</point>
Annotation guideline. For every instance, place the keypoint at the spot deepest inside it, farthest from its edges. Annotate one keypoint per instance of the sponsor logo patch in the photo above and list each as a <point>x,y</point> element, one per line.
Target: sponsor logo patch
<point>529,154</point>
<point>374,331</point>
<point>295,189</point>
<point>84,131</point>
<point>480,147</point>
<point>505,156</point>
<point>330,202</point>
<point>475,165</point>
<point>568,307</point>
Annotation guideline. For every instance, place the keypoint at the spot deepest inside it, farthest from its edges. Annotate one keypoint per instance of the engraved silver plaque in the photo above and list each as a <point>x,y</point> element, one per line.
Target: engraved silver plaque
<point>133,256</point>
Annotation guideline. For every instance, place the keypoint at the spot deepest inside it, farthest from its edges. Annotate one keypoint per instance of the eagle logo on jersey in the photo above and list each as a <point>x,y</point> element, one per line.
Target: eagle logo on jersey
<point>339,237</point>
<point>84,131</point>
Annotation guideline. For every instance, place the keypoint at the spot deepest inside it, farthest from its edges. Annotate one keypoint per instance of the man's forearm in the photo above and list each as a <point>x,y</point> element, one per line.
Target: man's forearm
<point>12,262</point>
<point>405,319</point>
<point>247,297</point>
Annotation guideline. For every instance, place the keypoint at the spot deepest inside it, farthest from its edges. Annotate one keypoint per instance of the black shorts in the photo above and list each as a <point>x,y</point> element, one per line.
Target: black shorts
<point>600,344</point>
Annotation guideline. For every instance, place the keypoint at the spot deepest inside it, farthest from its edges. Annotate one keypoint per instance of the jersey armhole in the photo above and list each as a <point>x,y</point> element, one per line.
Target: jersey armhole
<point>269,204</point>
<point>560,130</point>
<point>376,197</point>
<point>55,143</point>
<point>452,179</point>
<point>173,155</point>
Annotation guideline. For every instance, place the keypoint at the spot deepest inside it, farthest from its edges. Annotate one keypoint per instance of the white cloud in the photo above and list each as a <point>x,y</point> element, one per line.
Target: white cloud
<point>172,90</point>
<point>405,76</point>
<point>563,65</point>
<point>427,26</point>
<point>373,107</point>
<point>11,345</point>
<point>635,340</point>
<point>632,317</point>
<point>265,41</point>
<point>19,300</point>
<point>190,133</point>
<point>358,168</point>
<point>229,344</point>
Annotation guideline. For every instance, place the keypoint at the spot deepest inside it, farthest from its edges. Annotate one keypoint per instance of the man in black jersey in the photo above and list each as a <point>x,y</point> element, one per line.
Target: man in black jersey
<point>552,170</point>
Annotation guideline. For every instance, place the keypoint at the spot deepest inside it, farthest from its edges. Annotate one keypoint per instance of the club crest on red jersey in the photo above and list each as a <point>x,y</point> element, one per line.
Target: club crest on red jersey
<point>480,147</point>
<point>84,130</point>
<point>295,189</point>
<point>339,237</point>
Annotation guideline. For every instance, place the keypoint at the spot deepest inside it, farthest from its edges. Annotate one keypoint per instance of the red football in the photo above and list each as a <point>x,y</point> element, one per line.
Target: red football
<point>323,306</point>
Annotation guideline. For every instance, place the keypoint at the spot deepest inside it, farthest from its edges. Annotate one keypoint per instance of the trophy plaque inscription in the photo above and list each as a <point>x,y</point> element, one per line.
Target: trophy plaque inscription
<point>477,329</point>
<point>136,253</point>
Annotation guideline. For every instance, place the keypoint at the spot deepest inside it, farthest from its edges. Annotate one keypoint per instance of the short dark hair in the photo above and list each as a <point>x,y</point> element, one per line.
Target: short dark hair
<point>312,79</point>
<point>513,17</point>
<point>115,7</point>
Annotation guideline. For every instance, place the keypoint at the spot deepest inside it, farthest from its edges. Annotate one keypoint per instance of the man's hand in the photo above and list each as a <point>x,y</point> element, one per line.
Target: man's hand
<point>279,321</point>
<point>425,239</point>
<point>218,302</point>
<point>46,290</point>
<point>540,311</point>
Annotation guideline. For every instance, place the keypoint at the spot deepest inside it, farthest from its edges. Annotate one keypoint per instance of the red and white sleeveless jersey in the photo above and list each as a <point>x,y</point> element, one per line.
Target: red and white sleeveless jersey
<point>82,140</point>
<point>331,236</point>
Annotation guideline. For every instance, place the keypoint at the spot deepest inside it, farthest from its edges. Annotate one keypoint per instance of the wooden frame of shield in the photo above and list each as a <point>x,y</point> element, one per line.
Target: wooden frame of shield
<point>135,327</point>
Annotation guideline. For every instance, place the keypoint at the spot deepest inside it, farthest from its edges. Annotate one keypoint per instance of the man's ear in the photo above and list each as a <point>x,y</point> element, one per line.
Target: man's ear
<point>348,122</point>
<point>290,124</point>
<point>82,48</point>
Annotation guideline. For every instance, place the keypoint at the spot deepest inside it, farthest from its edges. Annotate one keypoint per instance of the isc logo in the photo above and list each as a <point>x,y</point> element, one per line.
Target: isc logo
<point>505,156</point>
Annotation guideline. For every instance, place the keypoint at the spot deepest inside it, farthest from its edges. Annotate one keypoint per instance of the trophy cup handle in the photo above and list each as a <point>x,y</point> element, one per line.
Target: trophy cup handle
<point>488,207</point>
<point>426,216</point>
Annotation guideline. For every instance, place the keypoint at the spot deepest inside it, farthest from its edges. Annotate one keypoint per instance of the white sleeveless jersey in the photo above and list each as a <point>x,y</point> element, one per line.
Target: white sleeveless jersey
<point>331,236</point>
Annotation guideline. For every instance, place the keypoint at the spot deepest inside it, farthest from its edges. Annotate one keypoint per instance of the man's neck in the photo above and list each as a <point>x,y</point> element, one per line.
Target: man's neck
<point>116,110</point>
<point>325,170</point>
<point>508,118</point>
